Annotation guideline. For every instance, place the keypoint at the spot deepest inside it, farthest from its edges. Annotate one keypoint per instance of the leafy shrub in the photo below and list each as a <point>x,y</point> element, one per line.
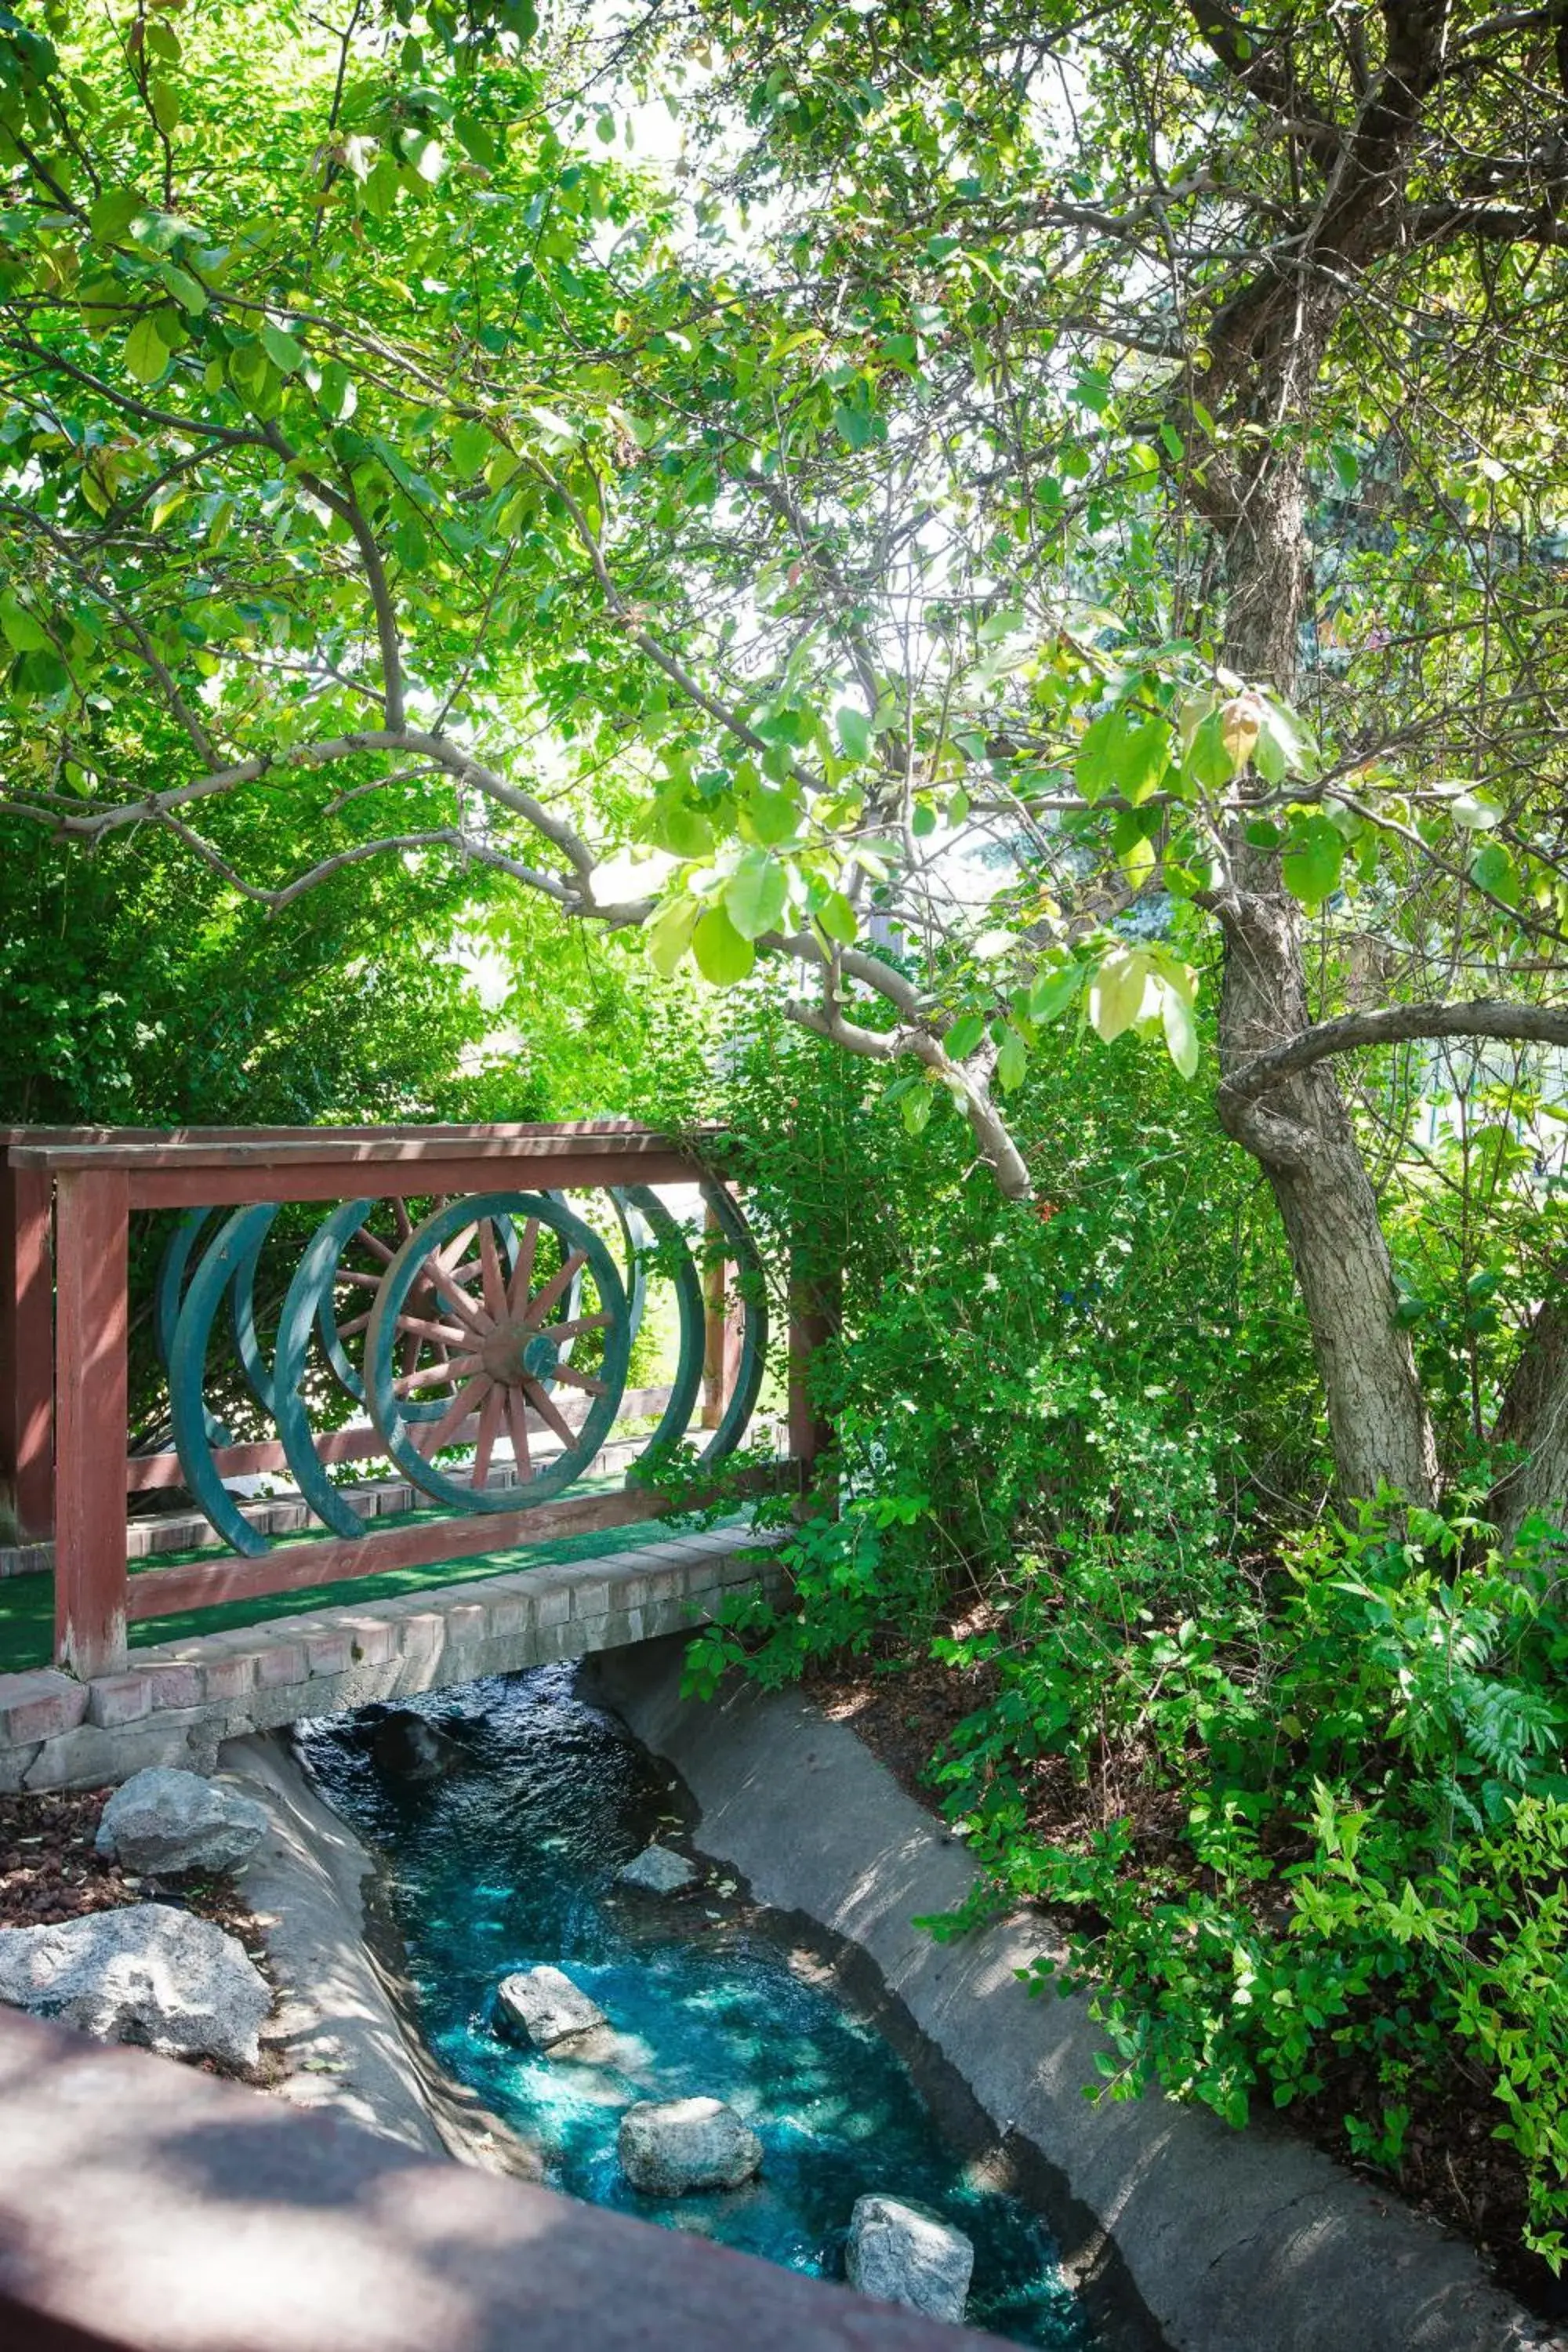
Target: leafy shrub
<point>1373,1831</point>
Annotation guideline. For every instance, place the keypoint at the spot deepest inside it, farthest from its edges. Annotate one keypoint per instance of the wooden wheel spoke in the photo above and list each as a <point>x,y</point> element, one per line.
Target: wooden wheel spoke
<point>356,1324</point>
<point>431,1376</point>
<point>432,1435</point>
<point>446,1258</point>
<point>457,1299</point>
<point>405,1223</point>
<point>440,1335</point>
<point>545,1407</point>
<point>375,1243</point>
<point>484,1444</point>
<point>523,1272</point>
<point>579,1324</point>
<point>489,1264</point>
<point>517,1421</point>
<point>553,1289</point>
<point>587,1380</point>
<point>360,1281</point>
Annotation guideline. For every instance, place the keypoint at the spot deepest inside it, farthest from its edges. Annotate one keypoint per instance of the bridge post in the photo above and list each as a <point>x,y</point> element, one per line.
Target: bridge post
<point>91,1405</point>
<point>26,1348</point>
<point>722,1331</point>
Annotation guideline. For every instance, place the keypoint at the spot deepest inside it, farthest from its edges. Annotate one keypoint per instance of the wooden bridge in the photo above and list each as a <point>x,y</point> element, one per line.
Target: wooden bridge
<point>457,1305</point>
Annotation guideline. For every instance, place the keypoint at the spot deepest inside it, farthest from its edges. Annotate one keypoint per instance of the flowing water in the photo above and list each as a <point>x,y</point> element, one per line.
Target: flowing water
<point>508,1860</point>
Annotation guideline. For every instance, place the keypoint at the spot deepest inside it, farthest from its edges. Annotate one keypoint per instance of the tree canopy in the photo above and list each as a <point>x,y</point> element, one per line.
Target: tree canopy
<point>996,515</point>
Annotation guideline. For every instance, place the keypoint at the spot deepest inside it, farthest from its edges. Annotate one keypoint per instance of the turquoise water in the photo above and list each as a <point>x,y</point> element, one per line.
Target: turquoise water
<point>509,1860</point>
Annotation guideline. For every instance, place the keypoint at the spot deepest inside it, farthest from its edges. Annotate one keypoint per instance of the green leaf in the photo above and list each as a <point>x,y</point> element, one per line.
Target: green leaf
<point>769,817</point>
<point>756,894</point>
<point>1209,759</point>
<point>684,831</point>
<point>1181,1033</point>
<point>854,729</point>
<point>837,917</point>
<point>146,352</point>
<point>286,355</point>
<point>113,213</point>
<point>184,288</point>
<point>1311,865</point>
<point>1492,869</point>
<point>723,956</point>
<point>669,935</point>
<point>965,1034</point>
<point>23,632</point>
<point>1011,1061</point>
<point>164,101</point>
<point>918,1109</point>
<point>1051,992</point>
<point>471,445</point>
<point>1116,995</point>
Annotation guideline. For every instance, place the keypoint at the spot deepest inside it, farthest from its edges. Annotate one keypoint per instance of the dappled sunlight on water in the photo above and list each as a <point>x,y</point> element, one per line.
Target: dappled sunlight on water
<point>509,1860</point>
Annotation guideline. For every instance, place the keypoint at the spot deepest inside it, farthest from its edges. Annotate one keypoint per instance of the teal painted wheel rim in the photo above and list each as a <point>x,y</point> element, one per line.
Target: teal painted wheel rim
<point>505,1354</point>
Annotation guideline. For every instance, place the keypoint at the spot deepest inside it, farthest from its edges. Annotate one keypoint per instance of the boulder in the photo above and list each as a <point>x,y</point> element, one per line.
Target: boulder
<point>148,1974</point>
<point>902,2254</point>
<point>409,1747</point>
<point>660,1870</point>
<point>667,2147</point>
<point>547,2009</point>
<point>165,1822</point>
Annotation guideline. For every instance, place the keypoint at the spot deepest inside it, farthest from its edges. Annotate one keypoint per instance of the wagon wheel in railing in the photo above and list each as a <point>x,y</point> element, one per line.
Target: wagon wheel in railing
<point>346,1303</point>
<point>497,1350</point>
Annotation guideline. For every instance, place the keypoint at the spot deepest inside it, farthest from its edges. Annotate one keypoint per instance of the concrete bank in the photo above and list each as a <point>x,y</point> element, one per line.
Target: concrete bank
<point>1235,2242</point>
<point>340,2031</point>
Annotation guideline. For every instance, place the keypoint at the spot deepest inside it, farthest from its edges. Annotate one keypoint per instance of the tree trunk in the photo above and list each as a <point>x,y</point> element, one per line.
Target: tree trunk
<point>1534,1416</point>
<point>1301,1131</point>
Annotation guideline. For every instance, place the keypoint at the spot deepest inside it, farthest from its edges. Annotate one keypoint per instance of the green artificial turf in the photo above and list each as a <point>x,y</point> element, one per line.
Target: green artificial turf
<point>27,1603</point>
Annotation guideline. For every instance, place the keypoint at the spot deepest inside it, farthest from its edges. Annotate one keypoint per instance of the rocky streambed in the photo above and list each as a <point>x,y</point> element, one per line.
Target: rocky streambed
<point>653,2016</point>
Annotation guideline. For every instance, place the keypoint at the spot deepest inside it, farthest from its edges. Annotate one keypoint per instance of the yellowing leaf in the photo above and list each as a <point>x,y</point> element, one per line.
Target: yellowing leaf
<point>1117,991</point>
<point>669,935</point>
<point>722,956</point>
<point>1181,1035</point>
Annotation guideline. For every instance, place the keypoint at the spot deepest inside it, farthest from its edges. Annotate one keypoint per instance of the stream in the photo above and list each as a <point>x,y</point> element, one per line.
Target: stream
<point>509,1858</point>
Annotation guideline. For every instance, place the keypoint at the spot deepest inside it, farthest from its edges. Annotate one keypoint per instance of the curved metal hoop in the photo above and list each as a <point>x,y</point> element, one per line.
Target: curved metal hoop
<point>230,1258</point>
<point>511,1353</point>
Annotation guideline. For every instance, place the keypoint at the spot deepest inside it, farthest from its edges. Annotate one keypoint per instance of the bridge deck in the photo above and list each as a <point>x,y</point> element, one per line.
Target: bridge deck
<point>181,1696</point>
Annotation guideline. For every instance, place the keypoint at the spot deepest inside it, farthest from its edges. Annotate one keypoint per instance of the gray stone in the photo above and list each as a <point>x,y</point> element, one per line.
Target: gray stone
<point>165,1821</point>
<point>660,1870</point>
<point>902,2255</point>
<point>547,2008</point>
<point>409,1747</point>
<point>150,1974</point>
<point>667,2147</point>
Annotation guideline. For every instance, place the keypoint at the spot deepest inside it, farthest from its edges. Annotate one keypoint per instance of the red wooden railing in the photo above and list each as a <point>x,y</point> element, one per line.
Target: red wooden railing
<point>65,1198</point>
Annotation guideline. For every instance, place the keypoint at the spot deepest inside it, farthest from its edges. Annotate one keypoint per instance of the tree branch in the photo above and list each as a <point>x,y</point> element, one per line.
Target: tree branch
<point>1394,1025</point>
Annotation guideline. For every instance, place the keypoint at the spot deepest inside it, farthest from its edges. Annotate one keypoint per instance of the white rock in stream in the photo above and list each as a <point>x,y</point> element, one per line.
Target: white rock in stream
<point>667,2147</point>
<point>660,1870</point>
<point>547,2008</point>
<point>148,1974</point>
<point>900,2254</point>
<point>166,1821</point>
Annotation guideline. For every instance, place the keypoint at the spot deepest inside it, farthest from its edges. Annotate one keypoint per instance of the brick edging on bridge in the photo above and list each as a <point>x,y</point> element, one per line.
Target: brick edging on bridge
<point>178,1701</point>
